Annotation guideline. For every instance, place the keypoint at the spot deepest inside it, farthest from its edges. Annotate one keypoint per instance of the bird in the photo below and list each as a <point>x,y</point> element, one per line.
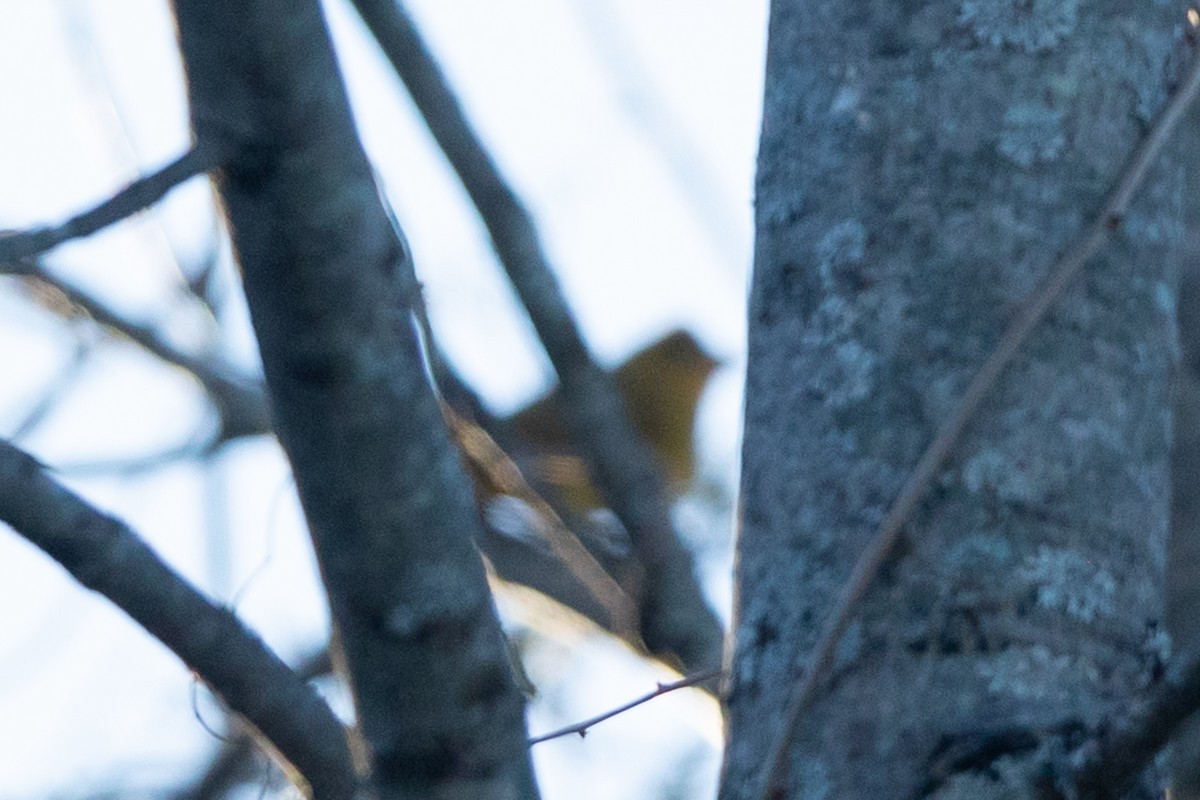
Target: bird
<point>661,386</point>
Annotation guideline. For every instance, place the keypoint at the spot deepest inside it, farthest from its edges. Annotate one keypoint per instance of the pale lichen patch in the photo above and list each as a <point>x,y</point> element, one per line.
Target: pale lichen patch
<point>992,472</point>
<point>1032,26</point>
<point>1069,582</point>
<point>1032,133</point>
<point>842,245</point>
<point>846,376</point>
<point>1029,674</point>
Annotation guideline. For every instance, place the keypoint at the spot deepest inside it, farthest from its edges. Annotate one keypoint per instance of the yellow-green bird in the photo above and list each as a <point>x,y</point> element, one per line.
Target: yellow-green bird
<point>661,386</point>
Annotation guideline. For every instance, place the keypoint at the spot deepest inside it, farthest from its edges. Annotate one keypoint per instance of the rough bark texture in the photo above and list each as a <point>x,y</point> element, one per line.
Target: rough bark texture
<point>921,166</point>
<point>1183,563</point>
<point>387,502</point>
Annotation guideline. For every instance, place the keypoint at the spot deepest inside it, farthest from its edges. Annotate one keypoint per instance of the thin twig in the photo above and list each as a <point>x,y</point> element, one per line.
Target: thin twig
<point>138,195</point>
<point>200,447</point>
<point>581,728</point>
<point>676,620</point>
<point>232,760</point>
<point>240,400</point>
<point>49,399</point>
<point>1033,309</point>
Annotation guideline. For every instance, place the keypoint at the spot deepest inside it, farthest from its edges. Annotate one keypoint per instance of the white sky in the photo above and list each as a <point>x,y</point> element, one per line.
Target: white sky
<point>630,130</point>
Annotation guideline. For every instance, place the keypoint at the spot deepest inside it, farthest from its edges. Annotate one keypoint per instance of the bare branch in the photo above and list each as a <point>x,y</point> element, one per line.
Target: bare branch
<point>231,764</point>
<point>676,620</point>
<point>106,556</point>
<point>138,195</point>
<point>67,376</point>
<point>932,460</point>
<point>388,504</point>
<point>581,728</point>
<point>133,465</point>
<point>240,399</point>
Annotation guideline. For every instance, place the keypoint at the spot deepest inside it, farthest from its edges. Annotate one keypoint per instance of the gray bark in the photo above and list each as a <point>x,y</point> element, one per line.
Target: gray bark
<point>1183,563</point>
<point>921,166</point>
<point>387,502</point>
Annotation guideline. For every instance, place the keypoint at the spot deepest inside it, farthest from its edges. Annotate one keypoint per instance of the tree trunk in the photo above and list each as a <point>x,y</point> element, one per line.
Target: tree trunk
<point>922,165</point>
<point>1183,551</point>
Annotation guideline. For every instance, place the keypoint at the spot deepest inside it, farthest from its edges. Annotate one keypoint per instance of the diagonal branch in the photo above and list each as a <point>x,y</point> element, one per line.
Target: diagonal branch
<point>242,407</point>
<point>581,728</point>
<point>675,616</point>
<point>229,767</point>
<point>1110,766</point>
<point>104,555</point>
<point>388,504</point>
<point>240,400</point>
<point>950,432</point>
<point>138,195</point>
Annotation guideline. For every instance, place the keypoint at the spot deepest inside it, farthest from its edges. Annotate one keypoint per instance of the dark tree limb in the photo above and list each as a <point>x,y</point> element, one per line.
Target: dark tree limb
<point>389,507</point>
<point>1111,764</point>
<point>230,767</point>
<point>107,557</point>
<point>676,620</point>
<point>138,195</point>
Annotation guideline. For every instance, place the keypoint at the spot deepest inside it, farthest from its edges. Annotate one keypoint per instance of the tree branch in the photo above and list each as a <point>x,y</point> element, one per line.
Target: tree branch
<point>240,400</point>
<point>106,556</point>
<point>867,568</point>
<point>1111,764</point>
<point>229,766</point>
<point>676,620</point>
<point>138,195</point>
<point>389,507</point>
<point>581,728</point>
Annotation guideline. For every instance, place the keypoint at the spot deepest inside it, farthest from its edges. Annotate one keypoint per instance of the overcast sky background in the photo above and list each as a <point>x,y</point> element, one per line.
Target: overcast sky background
<point>628,127</point>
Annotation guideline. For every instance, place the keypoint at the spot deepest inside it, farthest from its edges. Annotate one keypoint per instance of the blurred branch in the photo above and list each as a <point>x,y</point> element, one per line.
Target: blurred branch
<point>133,198</point>
<point>651,110</point>
<point>676,619</point>
<point>106,556</point>
<point>230,767</point>
<point>130,466</point>
<point>240,400</point>
<point>581,728</point>
<point>54,393</point>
